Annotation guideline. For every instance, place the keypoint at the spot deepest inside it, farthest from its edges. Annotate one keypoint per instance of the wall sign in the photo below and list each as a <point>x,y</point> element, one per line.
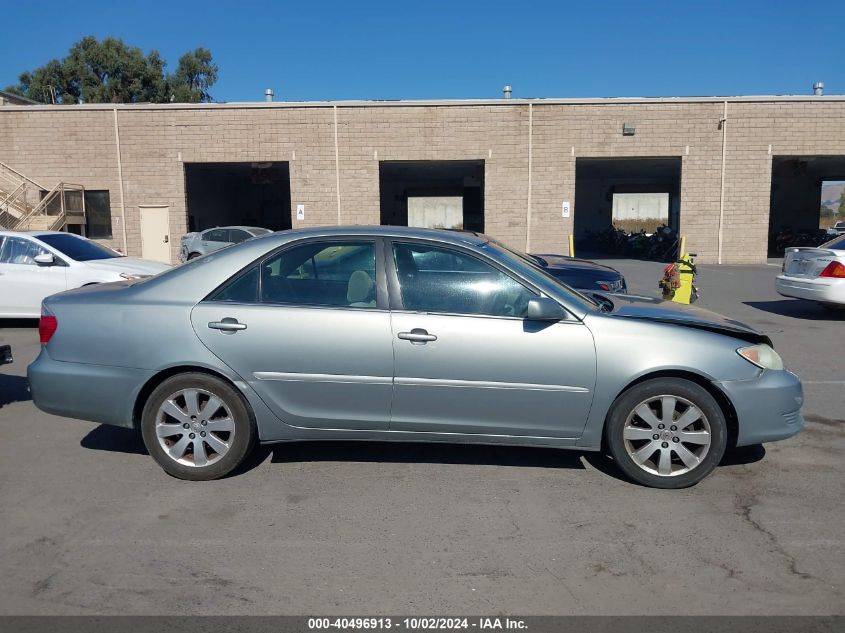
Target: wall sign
<point>565,208</point>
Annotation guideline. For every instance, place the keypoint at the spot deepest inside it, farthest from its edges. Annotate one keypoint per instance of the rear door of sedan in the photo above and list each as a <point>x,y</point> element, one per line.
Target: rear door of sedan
<point>466,360</point>
<point>308,328</point>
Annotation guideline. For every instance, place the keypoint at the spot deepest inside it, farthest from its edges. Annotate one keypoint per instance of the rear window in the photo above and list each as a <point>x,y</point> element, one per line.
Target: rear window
<point>836,244</point>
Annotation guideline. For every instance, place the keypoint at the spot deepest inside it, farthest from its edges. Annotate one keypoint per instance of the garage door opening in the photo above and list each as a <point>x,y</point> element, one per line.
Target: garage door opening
<point>628,207</point>
<point>238,194</point>
<point>433,193</point>
<point>805,200</point>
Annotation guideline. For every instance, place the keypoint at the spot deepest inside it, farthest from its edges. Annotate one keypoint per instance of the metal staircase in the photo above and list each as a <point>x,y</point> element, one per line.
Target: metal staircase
<point>26,205</point>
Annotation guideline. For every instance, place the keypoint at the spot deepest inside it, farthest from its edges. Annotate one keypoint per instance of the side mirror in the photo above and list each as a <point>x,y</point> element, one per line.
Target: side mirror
<point>45,259</point>
<point>544,309</point>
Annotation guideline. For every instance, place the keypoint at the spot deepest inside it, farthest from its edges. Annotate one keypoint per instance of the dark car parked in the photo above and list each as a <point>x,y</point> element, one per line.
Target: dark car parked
<point>5,354</point>
<point>582,274</point>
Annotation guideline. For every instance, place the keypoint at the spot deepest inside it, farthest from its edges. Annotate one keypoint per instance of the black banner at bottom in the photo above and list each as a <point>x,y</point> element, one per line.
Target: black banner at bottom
<point>516,624</point>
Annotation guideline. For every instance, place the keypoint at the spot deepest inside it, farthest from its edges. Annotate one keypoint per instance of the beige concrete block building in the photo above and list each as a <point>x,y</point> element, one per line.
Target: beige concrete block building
<point>736,169</point>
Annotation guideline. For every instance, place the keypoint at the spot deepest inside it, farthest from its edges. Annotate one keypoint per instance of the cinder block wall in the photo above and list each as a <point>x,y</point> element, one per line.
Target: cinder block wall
<point>334,151</point>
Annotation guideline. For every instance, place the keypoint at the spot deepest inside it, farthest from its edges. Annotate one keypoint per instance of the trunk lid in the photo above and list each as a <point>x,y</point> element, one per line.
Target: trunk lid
<point>806,263</point>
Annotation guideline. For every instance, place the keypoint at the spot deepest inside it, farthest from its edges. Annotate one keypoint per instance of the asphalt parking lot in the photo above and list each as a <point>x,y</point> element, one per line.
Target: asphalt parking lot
<point>91,525</point>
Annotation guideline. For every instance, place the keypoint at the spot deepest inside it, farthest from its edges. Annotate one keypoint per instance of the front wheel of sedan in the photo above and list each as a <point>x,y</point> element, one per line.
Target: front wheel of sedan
<point>666,433</point>
<point>197,427</point>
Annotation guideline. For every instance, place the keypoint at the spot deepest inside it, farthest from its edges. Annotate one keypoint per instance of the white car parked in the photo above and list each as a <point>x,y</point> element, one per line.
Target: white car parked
<point>817,274</point>
<point>37,264</point>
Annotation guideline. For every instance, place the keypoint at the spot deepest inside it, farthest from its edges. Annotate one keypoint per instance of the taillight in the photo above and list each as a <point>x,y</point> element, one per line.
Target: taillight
<point>47,326</point>
<point>834,269</point>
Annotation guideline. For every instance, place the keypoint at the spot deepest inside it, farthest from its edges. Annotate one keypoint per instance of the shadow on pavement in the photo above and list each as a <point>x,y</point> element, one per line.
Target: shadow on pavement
<point>121,440</point>
<point>13,389</point>
<point>798,309</point>
<point>114,439</point>
<point>743,455</point>
<point>425,453</point>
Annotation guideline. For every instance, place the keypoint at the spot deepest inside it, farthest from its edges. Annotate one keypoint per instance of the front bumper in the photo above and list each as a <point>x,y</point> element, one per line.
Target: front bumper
<point>823,289</point>
<point>88,392</point>
<point>768,407</point>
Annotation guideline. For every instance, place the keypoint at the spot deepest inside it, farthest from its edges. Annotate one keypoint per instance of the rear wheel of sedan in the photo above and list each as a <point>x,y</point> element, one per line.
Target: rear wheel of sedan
<point>666,433</point>
<point>197,427</point>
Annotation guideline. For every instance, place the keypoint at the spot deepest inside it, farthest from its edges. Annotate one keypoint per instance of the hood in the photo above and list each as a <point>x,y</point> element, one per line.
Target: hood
<point>650,309</point>
<point>571,263</point>
<point>130,265</point>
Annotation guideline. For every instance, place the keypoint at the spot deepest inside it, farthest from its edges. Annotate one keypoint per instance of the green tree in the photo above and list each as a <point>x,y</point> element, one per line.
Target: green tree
<point>842,203</point>
<point>112,72</point>
<point>47,84</point>
<point>194,75</point>
<point>109,71</point>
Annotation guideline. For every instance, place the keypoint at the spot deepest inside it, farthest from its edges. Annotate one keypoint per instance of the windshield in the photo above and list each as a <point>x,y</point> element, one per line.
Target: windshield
<point>77,248</point>
<point>536,265</point>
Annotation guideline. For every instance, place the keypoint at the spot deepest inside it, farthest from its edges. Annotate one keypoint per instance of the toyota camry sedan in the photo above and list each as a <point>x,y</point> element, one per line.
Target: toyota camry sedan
<point>362,333</point>
<point>816,274</point>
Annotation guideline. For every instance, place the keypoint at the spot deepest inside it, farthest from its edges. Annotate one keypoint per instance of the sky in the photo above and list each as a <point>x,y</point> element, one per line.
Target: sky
<point>433,49</point>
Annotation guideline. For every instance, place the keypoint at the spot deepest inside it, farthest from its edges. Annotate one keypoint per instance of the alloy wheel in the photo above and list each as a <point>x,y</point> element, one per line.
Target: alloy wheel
<point>667,435</point>
<point>194,427</point>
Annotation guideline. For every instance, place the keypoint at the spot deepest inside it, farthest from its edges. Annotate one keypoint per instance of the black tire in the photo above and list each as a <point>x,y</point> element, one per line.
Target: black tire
<point>234,407</point>
<point>686,393</point>
<point>193,256</point>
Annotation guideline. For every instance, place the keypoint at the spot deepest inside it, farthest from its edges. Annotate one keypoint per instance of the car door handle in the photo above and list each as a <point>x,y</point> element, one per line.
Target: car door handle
<point>227,325</point>
<point>417,335</point>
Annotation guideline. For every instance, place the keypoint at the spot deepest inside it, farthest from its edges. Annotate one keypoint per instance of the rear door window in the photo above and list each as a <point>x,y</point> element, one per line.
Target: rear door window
<point>236,236</point>
<point>339,274</point>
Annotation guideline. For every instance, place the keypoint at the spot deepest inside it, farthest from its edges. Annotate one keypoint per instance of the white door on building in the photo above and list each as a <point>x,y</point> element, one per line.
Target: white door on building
<point>155,233</point>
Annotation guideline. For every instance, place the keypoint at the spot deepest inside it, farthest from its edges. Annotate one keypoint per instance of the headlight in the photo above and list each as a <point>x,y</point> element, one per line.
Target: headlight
<point>132,276</point>
<point>761,355</point>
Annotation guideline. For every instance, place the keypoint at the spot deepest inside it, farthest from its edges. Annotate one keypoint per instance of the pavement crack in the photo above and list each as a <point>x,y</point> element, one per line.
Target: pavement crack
<point>512,518</point>
<point>745,504</point>
<point>557,577</point>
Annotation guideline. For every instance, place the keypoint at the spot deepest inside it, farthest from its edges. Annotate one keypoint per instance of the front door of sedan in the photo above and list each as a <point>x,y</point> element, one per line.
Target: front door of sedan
<point>309,330</point>
<point>466,361</point>
<point>26,283</point>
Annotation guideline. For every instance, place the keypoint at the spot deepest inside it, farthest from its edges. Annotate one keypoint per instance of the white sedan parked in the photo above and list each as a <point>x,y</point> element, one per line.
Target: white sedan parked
<point>36,264</point>
<point>817,274</point>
